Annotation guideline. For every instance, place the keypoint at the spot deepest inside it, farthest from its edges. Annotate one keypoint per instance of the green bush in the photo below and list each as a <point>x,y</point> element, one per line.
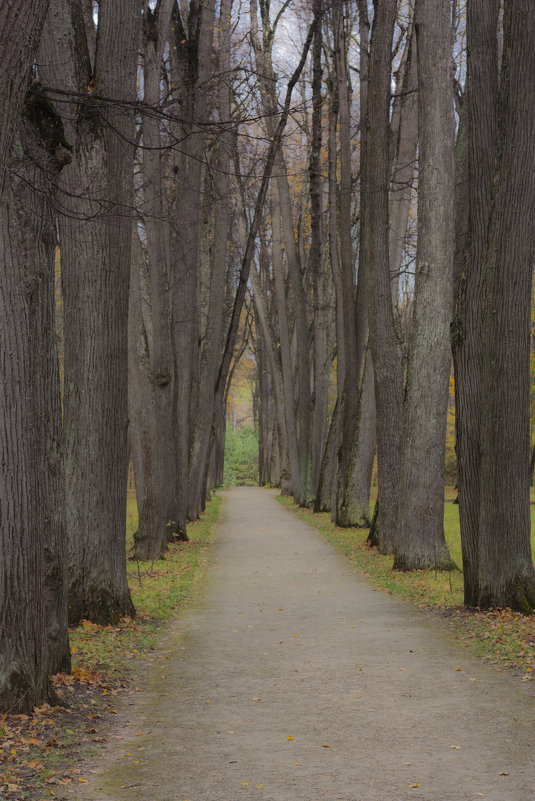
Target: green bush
<point>241,457</point>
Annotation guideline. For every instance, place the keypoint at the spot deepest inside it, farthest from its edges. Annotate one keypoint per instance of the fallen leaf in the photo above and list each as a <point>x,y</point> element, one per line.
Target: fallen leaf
<point>413,785</point>
<point>326,746</point>
<point>503,773</point>
<point>289,738</point>
<point>83,781</point>
<point>456,747</point>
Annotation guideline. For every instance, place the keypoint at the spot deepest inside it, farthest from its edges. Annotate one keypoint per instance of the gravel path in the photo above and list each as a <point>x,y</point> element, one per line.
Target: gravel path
<point>292,679</point>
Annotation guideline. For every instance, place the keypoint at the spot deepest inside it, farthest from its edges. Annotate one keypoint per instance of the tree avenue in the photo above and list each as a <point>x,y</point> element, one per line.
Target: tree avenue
<point>309,183</point>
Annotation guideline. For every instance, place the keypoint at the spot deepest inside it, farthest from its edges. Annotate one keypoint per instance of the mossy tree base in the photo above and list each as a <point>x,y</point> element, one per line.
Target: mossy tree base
<point>20,691</point>
<point>354,516</point>
<point>422,561</point>
<point>99,603</point>
<point>517,593</point>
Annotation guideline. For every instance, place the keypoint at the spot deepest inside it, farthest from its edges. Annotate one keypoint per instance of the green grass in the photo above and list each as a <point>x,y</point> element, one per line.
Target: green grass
<point>159,590</point>
<point>500,635</point>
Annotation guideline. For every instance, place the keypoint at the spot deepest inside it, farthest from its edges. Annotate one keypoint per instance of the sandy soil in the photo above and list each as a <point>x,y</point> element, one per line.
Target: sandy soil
<point>292,679</point>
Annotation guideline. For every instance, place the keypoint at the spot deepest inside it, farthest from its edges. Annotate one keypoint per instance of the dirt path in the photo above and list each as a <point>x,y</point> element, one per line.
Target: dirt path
<point>292,679</point>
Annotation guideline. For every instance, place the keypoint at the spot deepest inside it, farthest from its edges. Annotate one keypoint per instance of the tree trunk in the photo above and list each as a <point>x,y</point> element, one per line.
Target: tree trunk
<point>150,539</point>
<point>22,650</point>
<point>354,341</point>
<point>383,341</point>
<point>95,235</point>
<point>481,99</point>
<point>506,574</point>
<point>45,153</point>
<point>355,511</point>
<point>158,515</point>
<point>213,340</point>
<point>421,543</point>
<point>316,260</point>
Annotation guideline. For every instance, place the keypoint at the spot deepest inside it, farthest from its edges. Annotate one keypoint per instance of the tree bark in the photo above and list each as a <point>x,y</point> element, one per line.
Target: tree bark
<point>191,67</point>
<point>316,261</point>
<point>421,543</point>
<point>354,341</point>
<point>95,235</point>
<point>505,569</point>
<point>383,341</point>
<point>44,153</point>
<point>481,100</point>
<point>159,515</point>
<point>213,340</point>
<point>150,540</point>
<point>23,680</point>
<point>355,509</point>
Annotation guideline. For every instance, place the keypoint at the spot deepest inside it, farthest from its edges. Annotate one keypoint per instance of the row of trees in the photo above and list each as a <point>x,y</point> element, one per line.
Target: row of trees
<point>440,149</point>
<point>216,176</point>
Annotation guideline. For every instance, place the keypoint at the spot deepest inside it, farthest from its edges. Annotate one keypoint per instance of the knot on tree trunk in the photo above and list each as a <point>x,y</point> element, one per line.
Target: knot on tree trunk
<point>162,378</point>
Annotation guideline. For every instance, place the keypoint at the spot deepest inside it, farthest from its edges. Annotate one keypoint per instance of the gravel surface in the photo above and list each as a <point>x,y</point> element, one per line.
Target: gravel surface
<point>291,678</point>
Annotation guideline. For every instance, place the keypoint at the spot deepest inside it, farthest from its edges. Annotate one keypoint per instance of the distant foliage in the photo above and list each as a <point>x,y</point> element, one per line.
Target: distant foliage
<point>241,457</point>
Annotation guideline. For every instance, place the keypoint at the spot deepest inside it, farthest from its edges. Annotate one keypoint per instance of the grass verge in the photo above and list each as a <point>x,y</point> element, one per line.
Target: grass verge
<point>500,636</point>
<point>159,590</point>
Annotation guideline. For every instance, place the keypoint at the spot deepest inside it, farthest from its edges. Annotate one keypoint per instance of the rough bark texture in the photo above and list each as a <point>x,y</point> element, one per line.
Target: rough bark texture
<point>421,542</point>
<point>158,520</point>
<point>481,116</point>
<point>213,339</point>
<point>190,70</point>
<point>506,574</point>
<point>355,510</point>
<point>327,485</point>
<point>354,484</point>
<point>35,173</point>
<point>316,259</point>
<point>150,539</point>
<point>22,664</point>
<point>95,234</point>
<point>353,356</point>
<point>383,342</point>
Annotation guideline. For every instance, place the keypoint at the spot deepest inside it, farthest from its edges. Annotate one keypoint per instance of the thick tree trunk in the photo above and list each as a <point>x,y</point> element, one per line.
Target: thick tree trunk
<point>327,487</point>
<point>22,648</point>
<point>316,260</point>
<point>285,346</point>
<point>355,510</point>
<point>150,539</point>
<point>506,574</point>
<point>352,506</point>
<point>44,153</point>
<point>481,99</point>
<point>327,484</point>
<point>95,235</point>
<point>421,542</point>
<point>383,341</point>
<point>213,340</point>
<point>191,67</point>
<point>354,341</point>
<point>158,515</point>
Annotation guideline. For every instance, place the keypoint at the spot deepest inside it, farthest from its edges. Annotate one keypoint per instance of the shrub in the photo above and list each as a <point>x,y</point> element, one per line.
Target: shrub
<point>241,457</point>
